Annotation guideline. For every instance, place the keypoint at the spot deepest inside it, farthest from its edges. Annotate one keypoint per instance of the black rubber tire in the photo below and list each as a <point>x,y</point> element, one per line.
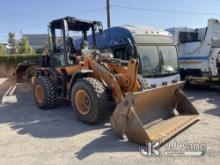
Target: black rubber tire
<point>49,90</point>
<point>98,97</point>
<point>143,82</point>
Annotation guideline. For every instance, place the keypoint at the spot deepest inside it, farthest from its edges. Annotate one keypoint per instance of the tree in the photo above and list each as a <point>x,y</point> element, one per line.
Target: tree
<point>2,49</point>
<point>12,42</point>
<point>24,47</point>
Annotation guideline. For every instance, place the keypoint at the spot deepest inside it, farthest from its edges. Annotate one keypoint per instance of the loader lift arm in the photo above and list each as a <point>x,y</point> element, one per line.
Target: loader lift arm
<point>119,83</point>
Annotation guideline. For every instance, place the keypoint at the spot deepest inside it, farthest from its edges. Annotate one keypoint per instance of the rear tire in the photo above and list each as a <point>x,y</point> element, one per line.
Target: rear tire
<point>44,92</point>
<point>94,106</point>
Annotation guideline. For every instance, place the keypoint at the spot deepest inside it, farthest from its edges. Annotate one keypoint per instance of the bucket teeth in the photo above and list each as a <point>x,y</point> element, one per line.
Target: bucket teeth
<point>154,114</point>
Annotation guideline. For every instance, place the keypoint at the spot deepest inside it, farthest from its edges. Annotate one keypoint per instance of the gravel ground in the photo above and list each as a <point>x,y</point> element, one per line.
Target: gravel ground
<point>31,136</point>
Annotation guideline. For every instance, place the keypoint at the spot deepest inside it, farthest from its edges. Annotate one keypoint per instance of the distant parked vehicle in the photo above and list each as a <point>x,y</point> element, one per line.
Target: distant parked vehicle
<point>199,53</point>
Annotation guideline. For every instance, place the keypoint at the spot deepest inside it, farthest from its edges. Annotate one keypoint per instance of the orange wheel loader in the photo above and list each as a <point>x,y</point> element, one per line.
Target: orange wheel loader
<point>91,80</point>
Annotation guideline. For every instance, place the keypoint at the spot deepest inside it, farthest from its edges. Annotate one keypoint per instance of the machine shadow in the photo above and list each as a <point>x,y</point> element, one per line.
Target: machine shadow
<point>108,142</point>
<point>210,95</point>
<point>25,118</point>
<point>215,112</point>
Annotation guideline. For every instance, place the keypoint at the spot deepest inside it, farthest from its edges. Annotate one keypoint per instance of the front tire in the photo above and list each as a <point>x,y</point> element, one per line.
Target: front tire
<point>89,100</point>
<point>44,92</point>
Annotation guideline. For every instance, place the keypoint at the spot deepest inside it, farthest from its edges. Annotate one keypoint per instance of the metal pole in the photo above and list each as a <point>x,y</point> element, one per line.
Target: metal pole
<point>108,14</point>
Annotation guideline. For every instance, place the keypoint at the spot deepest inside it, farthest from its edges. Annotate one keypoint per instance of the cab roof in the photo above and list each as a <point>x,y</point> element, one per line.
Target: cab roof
<point>74,24</point>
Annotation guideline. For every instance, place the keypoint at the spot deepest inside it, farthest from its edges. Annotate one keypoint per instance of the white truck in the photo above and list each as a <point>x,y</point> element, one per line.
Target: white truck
<point>199,53</point>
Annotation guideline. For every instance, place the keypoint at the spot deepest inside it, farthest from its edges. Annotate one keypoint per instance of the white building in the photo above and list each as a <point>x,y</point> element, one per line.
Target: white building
<point>37,41</point>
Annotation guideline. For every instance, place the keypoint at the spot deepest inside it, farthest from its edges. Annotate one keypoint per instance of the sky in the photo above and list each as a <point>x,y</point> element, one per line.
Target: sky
<point>33,16</point>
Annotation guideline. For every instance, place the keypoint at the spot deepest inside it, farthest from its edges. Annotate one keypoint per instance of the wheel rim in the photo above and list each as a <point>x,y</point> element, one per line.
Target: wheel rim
<point>82,102</point>
<point>39,93</point>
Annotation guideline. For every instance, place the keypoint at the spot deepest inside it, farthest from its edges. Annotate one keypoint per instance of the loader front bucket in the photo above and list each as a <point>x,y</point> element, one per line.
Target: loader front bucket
<point>154,115</point>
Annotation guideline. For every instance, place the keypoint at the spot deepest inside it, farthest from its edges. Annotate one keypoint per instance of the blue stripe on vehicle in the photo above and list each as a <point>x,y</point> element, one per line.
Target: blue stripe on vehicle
<point>194,58</point>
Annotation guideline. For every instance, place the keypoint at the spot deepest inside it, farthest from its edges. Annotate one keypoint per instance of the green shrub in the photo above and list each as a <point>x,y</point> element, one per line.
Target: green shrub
<point>14,60</point>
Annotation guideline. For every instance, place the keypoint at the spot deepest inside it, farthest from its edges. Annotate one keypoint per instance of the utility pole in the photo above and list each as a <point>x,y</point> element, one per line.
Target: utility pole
<point>108,13</point>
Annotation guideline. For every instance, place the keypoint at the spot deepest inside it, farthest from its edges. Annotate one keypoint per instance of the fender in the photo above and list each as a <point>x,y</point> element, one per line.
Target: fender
<point>45,72</point>
<point>48,72</point>
<point>25,72</point>
<point>79,74</point>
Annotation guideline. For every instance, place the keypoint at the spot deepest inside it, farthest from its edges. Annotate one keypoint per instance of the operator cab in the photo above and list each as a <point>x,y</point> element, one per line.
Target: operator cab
<point>62,33</point>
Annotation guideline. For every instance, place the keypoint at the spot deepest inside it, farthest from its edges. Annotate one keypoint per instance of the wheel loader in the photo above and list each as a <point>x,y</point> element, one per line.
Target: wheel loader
<point>92,80</point>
